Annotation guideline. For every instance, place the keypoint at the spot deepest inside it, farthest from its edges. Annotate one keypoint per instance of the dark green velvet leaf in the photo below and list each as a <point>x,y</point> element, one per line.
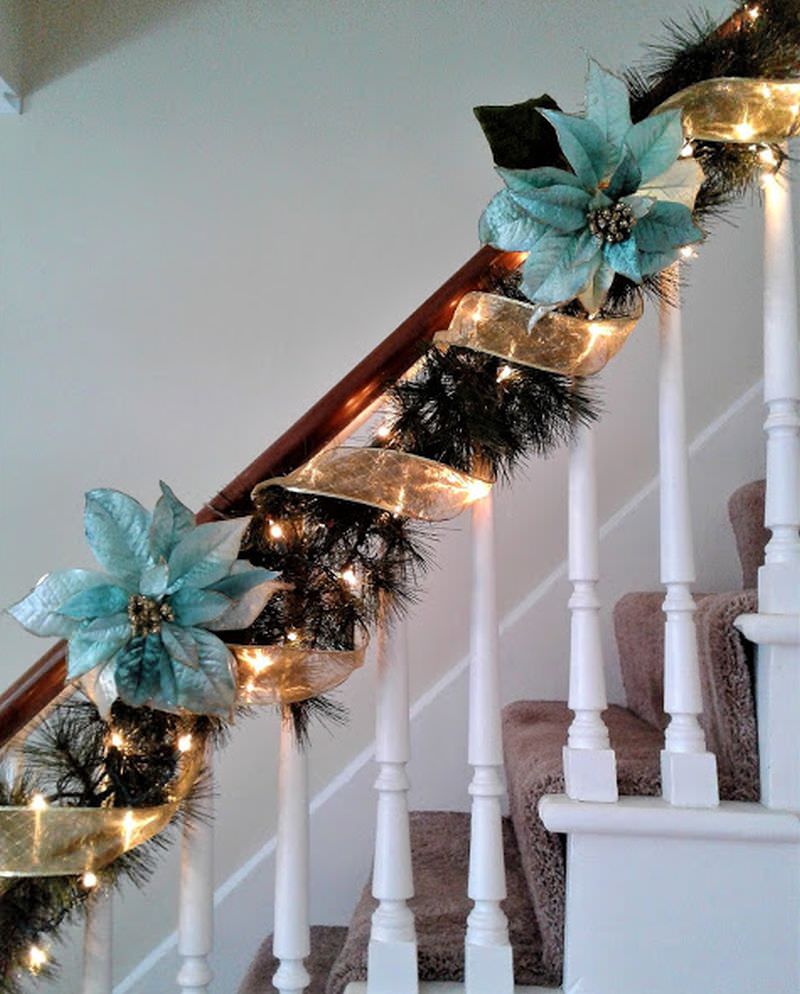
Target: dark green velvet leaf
<point>518,135</point>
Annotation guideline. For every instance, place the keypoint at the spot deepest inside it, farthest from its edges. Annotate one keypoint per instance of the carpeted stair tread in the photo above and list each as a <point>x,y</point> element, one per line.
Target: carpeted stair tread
<point>534,733</point>
<point>746,513</point>
<point>725,673</point>
<point>326,943</point>
<point>440,844</point>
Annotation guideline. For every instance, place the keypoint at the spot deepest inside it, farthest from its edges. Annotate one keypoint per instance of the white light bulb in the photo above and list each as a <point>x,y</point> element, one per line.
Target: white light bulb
<point>38,802</point>
<point>276,530</point>
<point>185,743</point>
<point>89,880</point>
<point>37,958</point>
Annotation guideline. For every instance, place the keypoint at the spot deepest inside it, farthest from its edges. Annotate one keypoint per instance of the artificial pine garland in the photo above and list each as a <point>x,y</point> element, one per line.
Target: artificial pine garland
<point>76,759</point>
<point>461,408</point>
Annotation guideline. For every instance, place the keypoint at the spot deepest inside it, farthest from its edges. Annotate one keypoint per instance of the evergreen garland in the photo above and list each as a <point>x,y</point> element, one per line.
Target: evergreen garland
<point>72,762</point>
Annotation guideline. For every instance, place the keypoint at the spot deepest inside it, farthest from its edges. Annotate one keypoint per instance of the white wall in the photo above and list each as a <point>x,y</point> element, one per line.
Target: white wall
<point>210,213</point>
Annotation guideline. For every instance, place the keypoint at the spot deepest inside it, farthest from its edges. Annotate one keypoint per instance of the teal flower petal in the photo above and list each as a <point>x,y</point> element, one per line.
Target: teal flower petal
<point>561,207</point>
<point>193,606</point>
<point>680,183</point>
<point>570,272</point>
<point>112,626</point>
<point>626,179</point>
<point>638,205</point>
<point>180,645</point>
<point>40,611</point>
<point>608,107</point>
<point>168,694</point>
<point>623,257</point>
<point>137,671</point>
<point>97,602</point>
<point>206,554</point>
<point>594,295</point>
<point>117,529</point>
<point>654,262</point>
<point>171,521</point>
<point>656,142</point>
<point>544,257</point>
<point>154,579</point>
<point>583,145</point>
<point>508,226</point>
<point>249,592</point>
<point>85,652</point>
<point>665,226</point>
<point>523,180</point>
<point>212,687</point>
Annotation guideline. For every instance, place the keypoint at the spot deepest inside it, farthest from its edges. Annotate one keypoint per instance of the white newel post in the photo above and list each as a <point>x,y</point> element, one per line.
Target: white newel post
<point>196,901</point>
<point>292,936</point>
<point>488,959</point>
<point>98,950</point>
<point>393,942</point>
<point>776,628</point>
<point>590,766</point>
<point>688,770</point>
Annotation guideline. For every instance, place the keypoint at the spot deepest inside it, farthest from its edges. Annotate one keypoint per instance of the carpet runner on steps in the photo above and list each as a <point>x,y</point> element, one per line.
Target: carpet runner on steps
<point>534,733</point>
<point>326,944</point>
<point>440,842</point>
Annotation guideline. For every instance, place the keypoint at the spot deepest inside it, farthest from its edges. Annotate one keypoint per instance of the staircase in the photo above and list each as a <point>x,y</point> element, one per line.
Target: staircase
<point>533,737</point>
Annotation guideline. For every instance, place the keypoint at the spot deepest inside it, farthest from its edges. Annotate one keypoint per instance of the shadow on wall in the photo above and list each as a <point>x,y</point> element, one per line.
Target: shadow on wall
<point>58,36</point>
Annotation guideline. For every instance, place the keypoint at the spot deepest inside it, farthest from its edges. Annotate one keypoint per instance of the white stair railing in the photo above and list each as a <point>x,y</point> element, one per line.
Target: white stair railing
<point>292,935</point>
<point>393,943</point>
<point>590,766</point>
<point>98,949</point>
<point>488,957</point>
<point>196,898</point>
<point>688,770</point>
<point>776,627</point>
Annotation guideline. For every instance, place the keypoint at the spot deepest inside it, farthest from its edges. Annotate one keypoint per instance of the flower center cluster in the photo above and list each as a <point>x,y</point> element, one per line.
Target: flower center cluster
<point>146,615</point>
<point>611,224</point>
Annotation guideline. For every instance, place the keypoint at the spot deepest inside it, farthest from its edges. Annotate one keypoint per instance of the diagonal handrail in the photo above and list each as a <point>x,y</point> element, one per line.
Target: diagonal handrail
<point>44,680</point>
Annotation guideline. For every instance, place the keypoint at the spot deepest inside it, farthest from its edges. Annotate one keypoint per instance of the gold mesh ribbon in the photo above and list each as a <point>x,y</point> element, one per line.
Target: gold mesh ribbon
<point>732,109</point>
<point>287,674</point>
<point>393,481</point>
<point>61,841</point>
<point>414,487</point>
<point>557,343</point>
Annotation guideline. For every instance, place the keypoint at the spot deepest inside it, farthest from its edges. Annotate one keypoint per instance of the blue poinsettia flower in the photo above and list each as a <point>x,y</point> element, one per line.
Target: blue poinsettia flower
<point>626,208</point>
<point>169,584</point>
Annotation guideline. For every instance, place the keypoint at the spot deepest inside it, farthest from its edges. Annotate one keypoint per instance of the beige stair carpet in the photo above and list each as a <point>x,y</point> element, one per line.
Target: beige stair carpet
<point>440,842</point>
<point>326,943</point>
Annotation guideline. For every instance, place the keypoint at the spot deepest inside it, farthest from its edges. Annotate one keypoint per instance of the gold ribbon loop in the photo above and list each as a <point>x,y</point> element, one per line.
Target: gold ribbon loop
<point>741,111</point>
<point>556,343</point>
<point>393,481</point>
<point>60,841</point>
<point>285,674</point>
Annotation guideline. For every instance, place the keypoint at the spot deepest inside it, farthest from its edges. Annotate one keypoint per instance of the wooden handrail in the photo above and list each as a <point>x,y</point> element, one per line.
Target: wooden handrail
<point>352,395</point>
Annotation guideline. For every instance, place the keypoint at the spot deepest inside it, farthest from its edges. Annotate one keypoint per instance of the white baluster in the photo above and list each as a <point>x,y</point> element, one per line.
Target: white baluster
<point>292,938</point>
<point>781,393</point>
<point>393,941</point>
<point>590,766</point>
<point>778,659</point>
<point>98,951</point>
<point>488,961</point>
<point>196,901</point>
<point>688,770</point>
